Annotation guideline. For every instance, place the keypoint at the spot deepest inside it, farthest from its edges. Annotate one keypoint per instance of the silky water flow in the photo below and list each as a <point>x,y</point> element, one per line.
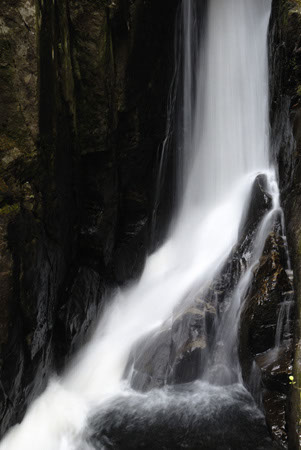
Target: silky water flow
<point>223,145</point>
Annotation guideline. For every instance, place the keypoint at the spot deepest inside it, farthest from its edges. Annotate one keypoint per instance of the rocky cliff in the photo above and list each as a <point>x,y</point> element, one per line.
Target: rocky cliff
<point>83,98</point>
<point>285,93</point>
<point>84,87</point>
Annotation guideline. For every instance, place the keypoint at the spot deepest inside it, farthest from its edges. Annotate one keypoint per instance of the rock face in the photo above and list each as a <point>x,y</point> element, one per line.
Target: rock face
<point>270,288</point>
<point>266,331</point>
<point>83,98</point>
<point>285,69</point>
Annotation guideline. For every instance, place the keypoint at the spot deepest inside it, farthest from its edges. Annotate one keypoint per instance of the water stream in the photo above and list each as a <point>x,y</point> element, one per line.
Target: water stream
<point>223,138</point>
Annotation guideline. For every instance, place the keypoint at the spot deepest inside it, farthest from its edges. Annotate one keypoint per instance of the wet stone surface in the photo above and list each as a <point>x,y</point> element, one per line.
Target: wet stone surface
<point>265,335</point>
<point>192,416</point>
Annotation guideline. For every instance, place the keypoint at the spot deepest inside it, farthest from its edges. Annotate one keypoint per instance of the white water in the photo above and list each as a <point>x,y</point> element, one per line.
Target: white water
<point>225,146</point>
<point>233,140</point>
<point>225,355</point>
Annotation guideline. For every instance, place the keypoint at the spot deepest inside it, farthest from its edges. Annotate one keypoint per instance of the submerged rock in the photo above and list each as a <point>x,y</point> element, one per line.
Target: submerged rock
<point>191,338</point>
<point>148,365</point>
<point>173,355</point>
<point>194,416</point>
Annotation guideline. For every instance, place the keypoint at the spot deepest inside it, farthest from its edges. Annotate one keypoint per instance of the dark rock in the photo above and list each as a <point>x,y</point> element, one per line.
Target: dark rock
<point>270,290</point>
<point>173,355</point>
<point>191,334</point>
<point>285,109</point>
<point>76,317</point>
<point>193,416</point>
<point>276,365</point>
<point>275,406</point>
<point>259,203</point>
<point>82,113</point>
<point>148,364</point>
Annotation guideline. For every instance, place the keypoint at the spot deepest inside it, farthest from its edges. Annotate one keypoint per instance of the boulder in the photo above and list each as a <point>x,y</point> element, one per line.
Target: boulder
<point>148,364</point>
<point>193,416</point>
<point>174,354</point>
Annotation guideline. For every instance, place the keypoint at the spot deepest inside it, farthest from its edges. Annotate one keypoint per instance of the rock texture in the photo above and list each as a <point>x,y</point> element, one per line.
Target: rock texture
<point>189,416</point>
<point>285,83</point>
<point>266,331</point>
<point>83,98</point>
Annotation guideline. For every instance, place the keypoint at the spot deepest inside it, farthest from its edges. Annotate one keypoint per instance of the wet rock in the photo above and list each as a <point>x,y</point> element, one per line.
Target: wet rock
<point>21,349</point>
<point>194,416</point>
<point>276,366</point>
<point>191,336</point>
<point>275,406</point>
<point>82,113</point>
<point>149,362</point>
<point>285,114</point>
<point>259,203</point>
<point>271,289</point>
<point>174,354</point>
<point>121,95</point>
<point>76,317</point>
<point>127,257</point>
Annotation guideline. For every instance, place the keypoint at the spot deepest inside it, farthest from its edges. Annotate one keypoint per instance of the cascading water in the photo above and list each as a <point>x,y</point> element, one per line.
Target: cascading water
<point>231,104</point>
<point>224,146</point>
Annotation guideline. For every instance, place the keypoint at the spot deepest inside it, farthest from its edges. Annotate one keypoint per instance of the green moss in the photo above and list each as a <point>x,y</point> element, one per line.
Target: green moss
<point>9,209</point>
<point>289,9</point>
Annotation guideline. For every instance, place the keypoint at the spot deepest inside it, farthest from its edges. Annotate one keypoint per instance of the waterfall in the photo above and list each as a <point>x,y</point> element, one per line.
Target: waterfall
<point>229,136</point>
<point>223,146</point>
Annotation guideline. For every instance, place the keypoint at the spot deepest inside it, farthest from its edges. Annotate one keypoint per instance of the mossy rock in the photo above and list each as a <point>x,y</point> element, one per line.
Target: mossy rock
<point>10,210</point>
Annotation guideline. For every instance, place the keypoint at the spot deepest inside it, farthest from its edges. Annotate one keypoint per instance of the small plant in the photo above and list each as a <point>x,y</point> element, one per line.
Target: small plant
<point>292,380</point>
